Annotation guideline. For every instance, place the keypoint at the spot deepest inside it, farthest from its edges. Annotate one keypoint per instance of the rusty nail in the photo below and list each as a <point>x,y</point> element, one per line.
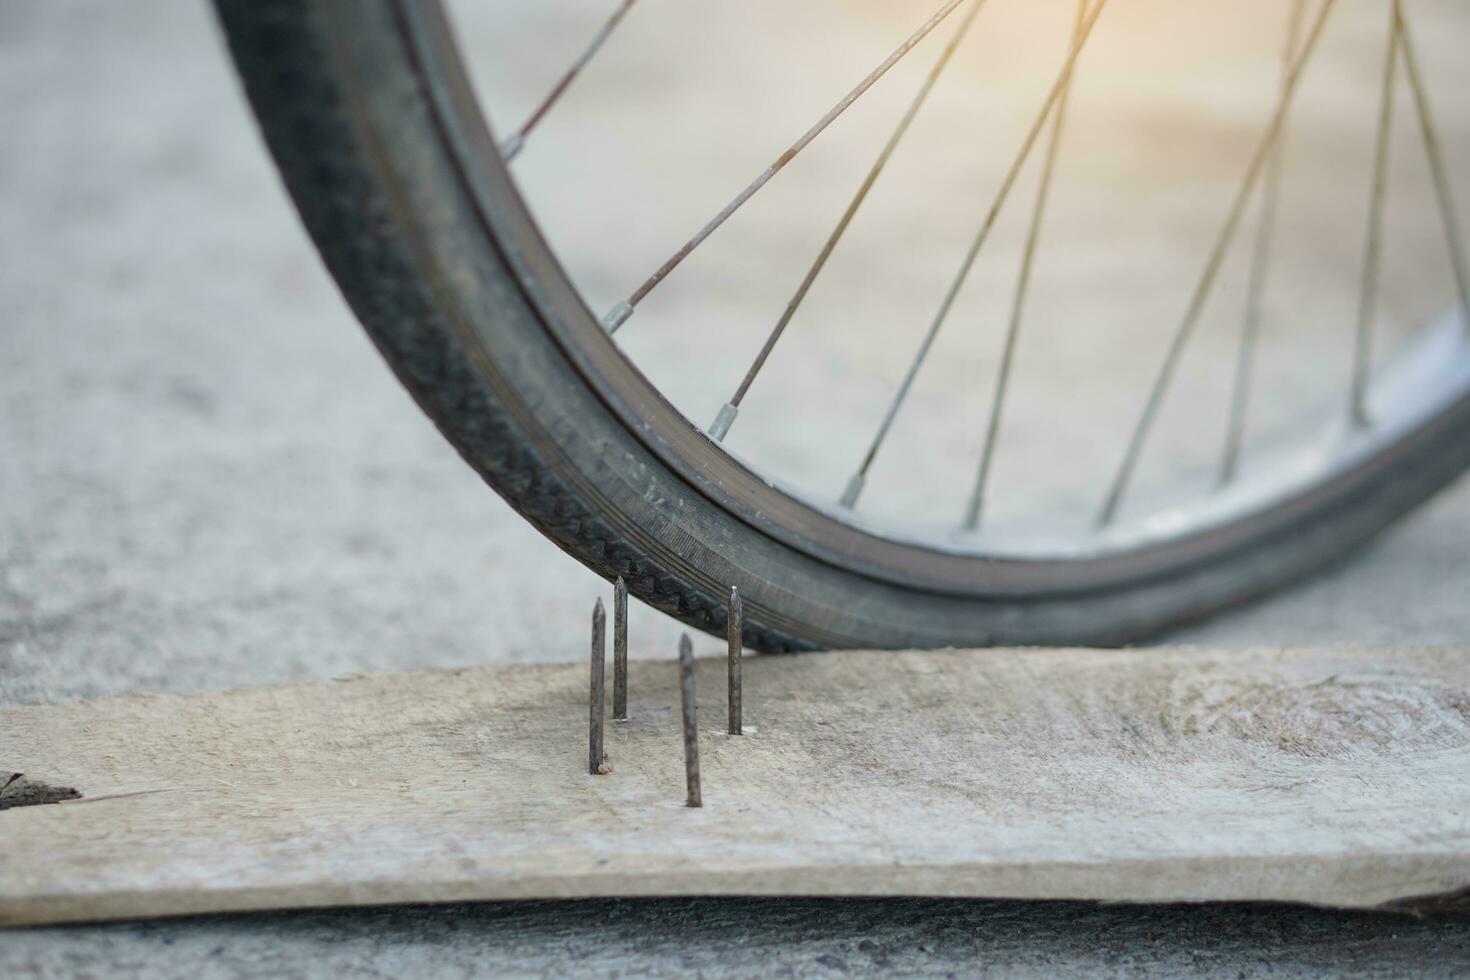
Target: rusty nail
<point>620,650</point>
<point>733,625</point>
<point>595,755</point>
<point>691,721</point>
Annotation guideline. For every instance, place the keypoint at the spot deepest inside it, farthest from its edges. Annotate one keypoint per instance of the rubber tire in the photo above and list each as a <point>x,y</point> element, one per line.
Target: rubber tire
<point>348,118</point>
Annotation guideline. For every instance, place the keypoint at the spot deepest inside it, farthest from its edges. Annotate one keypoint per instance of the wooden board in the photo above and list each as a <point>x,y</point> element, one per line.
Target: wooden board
<point>1339,777</point>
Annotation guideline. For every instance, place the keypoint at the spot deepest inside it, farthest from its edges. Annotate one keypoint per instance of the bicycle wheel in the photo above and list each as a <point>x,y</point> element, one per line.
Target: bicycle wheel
<point>373,120</point>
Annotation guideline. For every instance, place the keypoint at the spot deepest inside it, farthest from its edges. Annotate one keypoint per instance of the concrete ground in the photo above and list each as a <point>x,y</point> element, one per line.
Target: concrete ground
<point>209,479</point>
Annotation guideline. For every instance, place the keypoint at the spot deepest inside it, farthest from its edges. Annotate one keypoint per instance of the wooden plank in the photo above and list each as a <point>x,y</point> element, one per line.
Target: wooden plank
<point>1339,777</point>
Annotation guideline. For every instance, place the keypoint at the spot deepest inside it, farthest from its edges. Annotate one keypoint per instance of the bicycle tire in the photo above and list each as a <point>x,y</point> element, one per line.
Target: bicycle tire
<point>352,104</point>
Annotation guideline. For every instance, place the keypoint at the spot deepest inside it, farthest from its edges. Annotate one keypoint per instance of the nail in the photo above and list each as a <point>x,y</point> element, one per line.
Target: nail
<point>691,722</point>
<point>620,650</point>
<point>734,619</point>
<point>595,755</point>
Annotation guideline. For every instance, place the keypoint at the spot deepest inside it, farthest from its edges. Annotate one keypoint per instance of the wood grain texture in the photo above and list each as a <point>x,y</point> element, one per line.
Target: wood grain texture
<point>1337,777</point>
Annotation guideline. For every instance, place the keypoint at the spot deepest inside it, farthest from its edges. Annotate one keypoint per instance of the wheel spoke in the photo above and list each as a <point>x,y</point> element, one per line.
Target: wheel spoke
<point>731,408</point>
<point>1211,271</point>
<point>1023,282</point>
<point>1368,290</point>
<point>1449,215</point>
<point>1260,267</point>
<point>513,146</point>
<point>619,314</point>
<point>855,484</point>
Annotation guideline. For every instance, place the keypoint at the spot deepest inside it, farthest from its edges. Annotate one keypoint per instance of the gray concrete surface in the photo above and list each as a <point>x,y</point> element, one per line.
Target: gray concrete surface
<point>792,938</point>
<point>208,479</point>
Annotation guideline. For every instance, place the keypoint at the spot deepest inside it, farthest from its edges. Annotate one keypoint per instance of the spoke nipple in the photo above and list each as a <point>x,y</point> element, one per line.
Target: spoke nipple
<point>854,488</point>
<point>620,650</point>
<point>511,147</point>
<point>596,758</point>
<point>617,316</point>
<point>723,421</point>
<point>691,722</point>
<point>972,513</point>
<point>734,627</point>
